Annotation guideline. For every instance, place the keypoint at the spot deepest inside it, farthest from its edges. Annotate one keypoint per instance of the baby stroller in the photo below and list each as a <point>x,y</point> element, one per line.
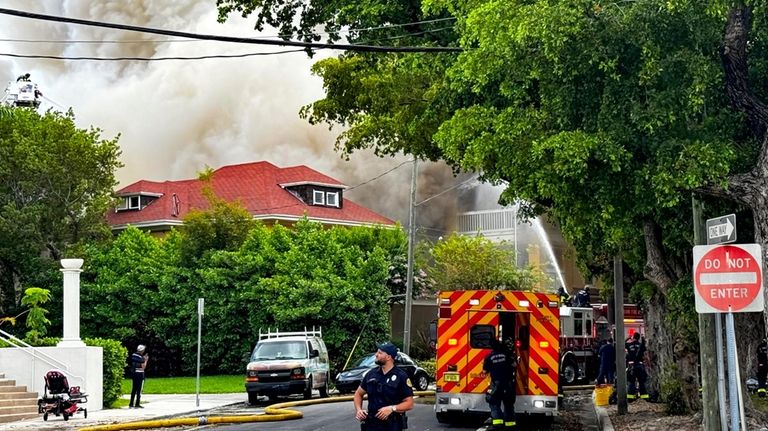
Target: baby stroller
<point>59,398</point>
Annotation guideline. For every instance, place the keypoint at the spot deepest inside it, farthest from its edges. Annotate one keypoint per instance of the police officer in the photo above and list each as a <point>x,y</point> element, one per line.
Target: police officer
<point>137,363</point>
<point>635,367</point>
<point>389,391</point>
<point>500,365</point>
<point>762,367</point>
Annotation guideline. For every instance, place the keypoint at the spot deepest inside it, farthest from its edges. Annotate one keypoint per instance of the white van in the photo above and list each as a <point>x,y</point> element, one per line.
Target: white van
<point>284,363</point>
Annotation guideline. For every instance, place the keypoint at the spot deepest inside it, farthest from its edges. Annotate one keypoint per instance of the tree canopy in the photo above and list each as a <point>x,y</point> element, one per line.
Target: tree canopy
<point>56,183</point>
<point>606,116</point>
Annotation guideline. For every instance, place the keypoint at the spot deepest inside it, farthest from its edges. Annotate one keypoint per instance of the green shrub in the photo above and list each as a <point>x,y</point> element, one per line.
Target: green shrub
<point>429,367</point>
<point>114,367</point>
<point>671,393</point>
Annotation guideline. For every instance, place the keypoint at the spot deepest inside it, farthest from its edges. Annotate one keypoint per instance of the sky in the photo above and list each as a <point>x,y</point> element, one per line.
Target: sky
<point>174,118</point>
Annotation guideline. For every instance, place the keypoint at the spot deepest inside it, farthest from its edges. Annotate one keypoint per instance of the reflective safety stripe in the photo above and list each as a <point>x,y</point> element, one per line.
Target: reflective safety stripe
<point>510,424</point>
<point>630,397</point>
<point>644,396</point>
<point>498,421</point>
<point>761,390</point>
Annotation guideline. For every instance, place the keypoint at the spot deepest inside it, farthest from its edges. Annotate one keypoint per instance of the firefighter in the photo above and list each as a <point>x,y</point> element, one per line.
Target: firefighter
<point>389,391</point>
<point>635,368</point>
<point>762,367</point>
<point>582,298</point>
<point>500,365</point>
<point>563,296</point>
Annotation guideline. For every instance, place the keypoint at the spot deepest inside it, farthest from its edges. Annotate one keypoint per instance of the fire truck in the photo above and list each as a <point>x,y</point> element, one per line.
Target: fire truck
<point>467,322</point>
<point>582,330</point>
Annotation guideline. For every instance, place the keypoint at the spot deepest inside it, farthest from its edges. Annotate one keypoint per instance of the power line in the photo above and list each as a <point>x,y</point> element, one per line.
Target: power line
<point>275,36</point>
<point>378,176</point>
<point>187,35</point>
<point>179,58</point>
<point>447,190</point>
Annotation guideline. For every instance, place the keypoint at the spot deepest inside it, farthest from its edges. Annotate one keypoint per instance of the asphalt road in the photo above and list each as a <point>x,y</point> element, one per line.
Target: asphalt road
<point>577,415</point>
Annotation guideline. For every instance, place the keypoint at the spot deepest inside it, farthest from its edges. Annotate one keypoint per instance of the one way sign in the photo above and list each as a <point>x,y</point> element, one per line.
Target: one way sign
<point>721,230</point>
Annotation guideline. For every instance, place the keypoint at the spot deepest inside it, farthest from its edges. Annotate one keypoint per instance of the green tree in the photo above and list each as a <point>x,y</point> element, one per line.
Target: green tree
<point>37,322</point>
<point>56,182</point>
<point>473,262</point>
<point>605,116</point>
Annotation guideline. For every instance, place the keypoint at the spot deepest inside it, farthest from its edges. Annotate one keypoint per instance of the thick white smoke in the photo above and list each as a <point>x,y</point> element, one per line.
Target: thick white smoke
<point>176,117</point>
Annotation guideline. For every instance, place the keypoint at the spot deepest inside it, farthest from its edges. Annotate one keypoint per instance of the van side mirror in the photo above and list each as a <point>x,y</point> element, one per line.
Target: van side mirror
<point>314,353</point>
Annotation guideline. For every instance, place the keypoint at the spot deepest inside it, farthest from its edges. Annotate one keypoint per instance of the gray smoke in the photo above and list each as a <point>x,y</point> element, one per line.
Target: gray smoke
<point>177,117</point>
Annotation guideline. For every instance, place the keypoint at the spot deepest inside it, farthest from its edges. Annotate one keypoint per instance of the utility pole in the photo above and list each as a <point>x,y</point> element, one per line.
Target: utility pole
<point>621,375</point>
<point>710,407</point>
<point>409,277</point>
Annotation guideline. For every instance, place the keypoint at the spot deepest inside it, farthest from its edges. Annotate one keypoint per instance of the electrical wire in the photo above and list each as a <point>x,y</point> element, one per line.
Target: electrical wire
<point>378,176</point>
<point>187,35</point>
<point>276,36</point>
<point>173,58</point>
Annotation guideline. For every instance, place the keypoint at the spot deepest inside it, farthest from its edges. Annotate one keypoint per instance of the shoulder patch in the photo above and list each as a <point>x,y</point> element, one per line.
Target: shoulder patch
<point>408,382</point>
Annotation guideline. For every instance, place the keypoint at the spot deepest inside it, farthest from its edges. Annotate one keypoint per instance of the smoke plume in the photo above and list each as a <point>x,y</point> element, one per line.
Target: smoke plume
<point>176,117</point>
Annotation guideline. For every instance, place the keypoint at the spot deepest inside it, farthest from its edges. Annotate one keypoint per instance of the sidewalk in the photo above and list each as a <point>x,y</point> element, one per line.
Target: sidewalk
<point>155,407</point>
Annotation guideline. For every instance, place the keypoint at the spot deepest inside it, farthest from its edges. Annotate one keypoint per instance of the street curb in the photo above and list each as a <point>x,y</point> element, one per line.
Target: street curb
<point>603,420</point>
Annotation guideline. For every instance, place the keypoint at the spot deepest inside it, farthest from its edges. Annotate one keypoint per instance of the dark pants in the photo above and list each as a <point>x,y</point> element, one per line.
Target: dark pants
<point>606,375</point>
<point>636,372</point>
<point>138,385</point>
<point>762,373</point>
<point>393,423</point>
<point>502,395</point>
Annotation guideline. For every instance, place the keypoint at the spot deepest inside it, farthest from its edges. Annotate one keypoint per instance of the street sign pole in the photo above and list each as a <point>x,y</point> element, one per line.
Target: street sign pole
<point>734,388</point>
<point>200,312</point>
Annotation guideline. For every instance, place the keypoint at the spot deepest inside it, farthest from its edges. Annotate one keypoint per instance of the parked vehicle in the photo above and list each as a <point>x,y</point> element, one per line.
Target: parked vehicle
<point>284,363</point>
<point>348,380</point>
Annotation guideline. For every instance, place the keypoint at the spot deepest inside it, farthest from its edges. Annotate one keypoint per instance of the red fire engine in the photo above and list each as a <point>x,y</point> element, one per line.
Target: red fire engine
<point>582,329</point>
<point>467,321</point>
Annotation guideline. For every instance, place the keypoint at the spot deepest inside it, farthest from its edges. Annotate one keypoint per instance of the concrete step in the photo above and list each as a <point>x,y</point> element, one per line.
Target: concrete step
<point>18,402</point>
<point>7,382</point>
<point>14,388</point>
<point>13,417</point>
<point>18,395</point>
<point>11,410</point>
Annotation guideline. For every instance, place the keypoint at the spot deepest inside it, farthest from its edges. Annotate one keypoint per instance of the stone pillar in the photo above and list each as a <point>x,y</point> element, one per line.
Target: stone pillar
<point>71,270</point>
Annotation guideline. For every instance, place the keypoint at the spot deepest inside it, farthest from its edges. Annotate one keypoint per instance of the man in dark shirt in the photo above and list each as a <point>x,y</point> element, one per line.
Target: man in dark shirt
<point>137,363</point>
<point>390,393</point>
<point>500,366</point>
<point>607,354</point>
<point>636,369</point>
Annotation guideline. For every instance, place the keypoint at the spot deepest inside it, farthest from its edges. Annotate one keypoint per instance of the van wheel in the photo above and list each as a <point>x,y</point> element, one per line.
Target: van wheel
<point>308,390</point>
<point>253,398</point>
<point>324,389</point>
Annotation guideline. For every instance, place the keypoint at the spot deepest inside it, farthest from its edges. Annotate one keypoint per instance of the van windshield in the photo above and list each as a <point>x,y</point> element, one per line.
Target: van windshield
<point>280,350</point>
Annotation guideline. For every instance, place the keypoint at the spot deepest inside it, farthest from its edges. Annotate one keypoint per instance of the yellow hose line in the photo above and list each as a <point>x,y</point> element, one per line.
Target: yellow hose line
<point>274,412</point>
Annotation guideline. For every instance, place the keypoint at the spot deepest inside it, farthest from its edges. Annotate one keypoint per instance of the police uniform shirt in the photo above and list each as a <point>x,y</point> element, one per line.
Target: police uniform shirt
<point>385,389</point>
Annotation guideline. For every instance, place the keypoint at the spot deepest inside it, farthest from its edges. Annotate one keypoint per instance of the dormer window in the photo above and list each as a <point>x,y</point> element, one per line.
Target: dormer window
<point>136,201</point>
<point>332,199</point>
<point>318,197</point>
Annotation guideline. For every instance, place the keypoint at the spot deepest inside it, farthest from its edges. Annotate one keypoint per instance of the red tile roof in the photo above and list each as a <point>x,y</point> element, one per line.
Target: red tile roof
<point>259,188</point>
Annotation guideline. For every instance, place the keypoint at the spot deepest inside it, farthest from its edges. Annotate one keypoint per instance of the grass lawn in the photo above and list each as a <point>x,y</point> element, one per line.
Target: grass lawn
<point>186,385</point>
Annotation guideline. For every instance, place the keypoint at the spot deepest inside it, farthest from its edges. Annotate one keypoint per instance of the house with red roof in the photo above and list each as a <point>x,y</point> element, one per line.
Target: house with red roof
<point>272,194</point>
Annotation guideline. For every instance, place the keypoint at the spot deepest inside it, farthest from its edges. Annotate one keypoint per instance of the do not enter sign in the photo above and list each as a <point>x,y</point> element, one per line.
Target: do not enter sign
<point>728,277</point>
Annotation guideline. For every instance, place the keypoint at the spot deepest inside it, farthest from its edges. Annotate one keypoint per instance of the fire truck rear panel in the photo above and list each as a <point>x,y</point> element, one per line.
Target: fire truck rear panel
<point>469,317</point>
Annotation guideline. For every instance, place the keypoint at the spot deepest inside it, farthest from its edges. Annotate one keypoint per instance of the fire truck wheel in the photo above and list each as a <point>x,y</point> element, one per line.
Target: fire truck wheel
<point>569,373</point>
